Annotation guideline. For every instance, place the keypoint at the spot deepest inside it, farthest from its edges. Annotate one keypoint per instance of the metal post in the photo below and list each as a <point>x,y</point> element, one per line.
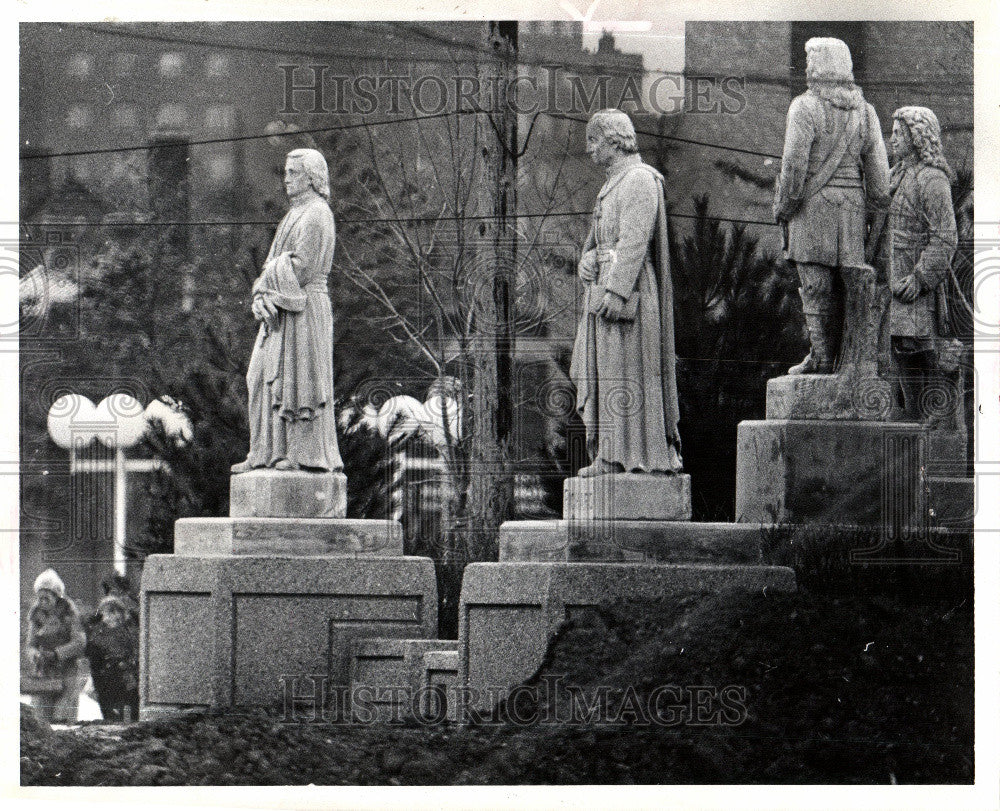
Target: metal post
<point>121,506</point>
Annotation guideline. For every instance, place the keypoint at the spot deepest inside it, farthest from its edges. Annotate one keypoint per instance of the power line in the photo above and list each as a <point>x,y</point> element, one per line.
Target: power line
<point>582,67</point>
<point>673,137</point>
<point>237,138</point>
<point>346,221</point>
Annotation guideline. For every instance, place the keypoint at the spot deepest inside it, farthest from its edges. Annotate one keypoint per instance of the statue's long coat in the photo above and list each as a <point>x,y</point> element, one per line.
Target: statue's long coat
<point>828,227</point>
<point>290,377</point>
<point>624,372</point>
<point>923,241</point>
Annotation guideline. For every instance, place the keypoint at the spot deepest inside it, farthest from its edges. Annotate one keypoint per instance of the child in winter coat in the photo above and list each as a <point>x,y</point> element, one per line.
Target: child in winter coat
<point>113,651</point>
<point>55,642</point>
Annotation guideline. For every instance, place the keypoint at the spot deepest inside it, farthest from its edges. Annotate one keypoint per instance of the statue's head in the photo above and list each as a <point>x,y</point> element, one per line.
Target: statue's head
<point>828,60</point>
<point>312,163</point>
<point>916,131</point>
<point>610,132</point>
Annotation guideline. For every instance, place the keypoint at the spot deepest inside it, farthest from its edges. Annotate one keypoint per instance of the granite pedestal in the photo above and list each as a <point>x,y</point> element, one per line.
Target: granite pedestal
<point>828,397</point>
<point>269,493</point>
<point>508,612</point>
<point>225,631</point>
<point>830,472</point>
<point>287,536</point>
<point>620,540</point>
<point>627,496</point>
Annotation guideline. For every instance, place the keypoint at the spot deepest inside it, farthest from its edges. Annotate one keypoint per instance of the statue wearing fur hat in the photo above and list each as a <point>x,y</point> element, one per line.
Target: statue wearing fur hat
<point>834,169</point>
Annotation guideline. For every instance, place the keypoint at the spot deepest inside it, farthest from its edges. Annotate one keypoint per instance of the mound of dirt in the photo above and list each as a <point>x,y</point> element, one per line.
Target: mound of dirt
<point>734,688</point>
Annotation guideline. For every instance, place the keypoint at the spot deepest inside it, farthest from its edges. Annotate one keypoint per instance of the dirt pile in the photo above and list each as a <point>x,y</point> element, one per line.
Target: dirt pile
<point>749,688</point>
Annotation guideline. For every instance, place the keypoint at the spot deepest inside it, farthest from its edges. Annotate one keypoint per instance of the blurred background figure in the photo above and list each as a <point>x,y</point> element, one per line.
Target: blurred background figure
<point>113,651</point>
<point>56,640</point>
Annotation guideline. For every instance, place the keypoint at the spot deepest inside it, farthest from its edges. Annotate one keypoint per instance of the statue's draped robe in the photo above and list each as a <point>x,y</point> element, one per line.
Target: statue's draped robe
<point>290,378</point>
<point>624,372</point>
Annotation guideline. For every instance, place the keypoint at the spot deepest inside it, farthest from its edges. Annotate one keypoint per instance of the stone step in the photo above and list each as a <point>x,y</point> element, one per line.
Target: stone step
<point>440,685</point>
<point>951,501</point>
<point>663,541</point>
<point>287,536</point>
<point>388,678</point>
<point>508,612</point>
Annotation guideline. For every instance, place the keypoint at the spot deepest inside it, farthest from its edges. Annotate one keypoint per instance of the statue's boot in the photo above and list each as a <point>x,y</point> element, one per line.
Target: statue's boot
<point>600,467</point>
<point>819,361</point>
<point>241,467</point>
<point>285,464</point>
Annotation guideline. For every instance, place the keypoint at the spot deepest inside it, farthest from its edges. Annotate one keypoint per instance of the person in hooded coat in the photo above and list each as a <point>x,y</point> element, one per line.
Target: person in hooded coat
<point>55,642</point>
<point>113,651</point>
<point>834,171</point>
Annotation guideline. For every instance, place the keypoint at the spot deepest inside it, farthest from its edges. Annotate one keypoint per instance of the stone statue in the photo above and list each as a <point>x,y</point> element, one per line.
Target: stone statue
<point>923,238</point>
<point>290,377</point>
<point>834,168</point>
<point>623,357</point>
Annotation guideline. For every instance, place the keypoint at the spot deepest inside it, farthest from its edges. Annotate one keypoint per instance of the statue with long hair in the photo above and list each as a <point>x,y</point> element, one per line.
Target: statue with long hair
<point>623,363</point>
<point>834,170</point>
<point>290,377</point>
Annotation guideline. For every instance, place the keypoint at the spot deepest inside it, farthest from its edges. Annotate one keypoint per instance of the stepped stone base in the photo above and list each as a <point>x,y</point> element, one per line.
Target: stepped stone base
<point>287,536</point>
<point>627,496</point>
<point>269,631</point>
<point>439,685</point>
<point>509,611</point>
<point>388,678</point>
<point>663,541</point>
<point>829,471</point>
<point>268,493</point>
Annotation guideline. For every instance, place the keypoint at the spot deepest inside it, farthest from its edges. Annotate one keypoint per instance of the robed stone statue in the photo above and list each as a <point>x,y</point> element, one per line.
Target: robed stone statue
<point>623,363</point>
<point>290,377</point>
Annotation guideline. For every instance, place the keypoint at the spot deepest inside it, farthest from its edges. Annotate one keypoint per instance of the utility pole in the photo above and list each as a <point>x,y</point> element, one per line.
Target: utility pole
<point>491,489</point>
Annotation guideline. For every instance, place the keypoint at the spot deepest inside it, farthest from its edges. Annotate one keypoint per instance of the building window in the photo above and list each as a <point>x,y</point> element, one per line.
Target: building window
<point>80,168</point>
<point>77,117</point>
<point>80,66</point>
<point>126,64</point>
<point>220,168</point>
<point>172,116</point>
<point>125,116</point>
<point>171,65</point>
<point>220,117</point>
<point>217,66</point>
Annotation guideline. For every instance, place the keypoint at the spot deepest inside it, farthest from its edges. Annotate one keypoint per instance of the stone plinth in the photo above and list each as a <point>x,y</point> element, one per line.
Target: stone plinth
<point>829,471</point>
<point>662,541</point>
<point>387,676</point>
<point>269,493</point>
<point>828,397</point>
<point>509,611</point>
<point>250,630</point>
<point>627,496</point>
<point>287,536</point>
